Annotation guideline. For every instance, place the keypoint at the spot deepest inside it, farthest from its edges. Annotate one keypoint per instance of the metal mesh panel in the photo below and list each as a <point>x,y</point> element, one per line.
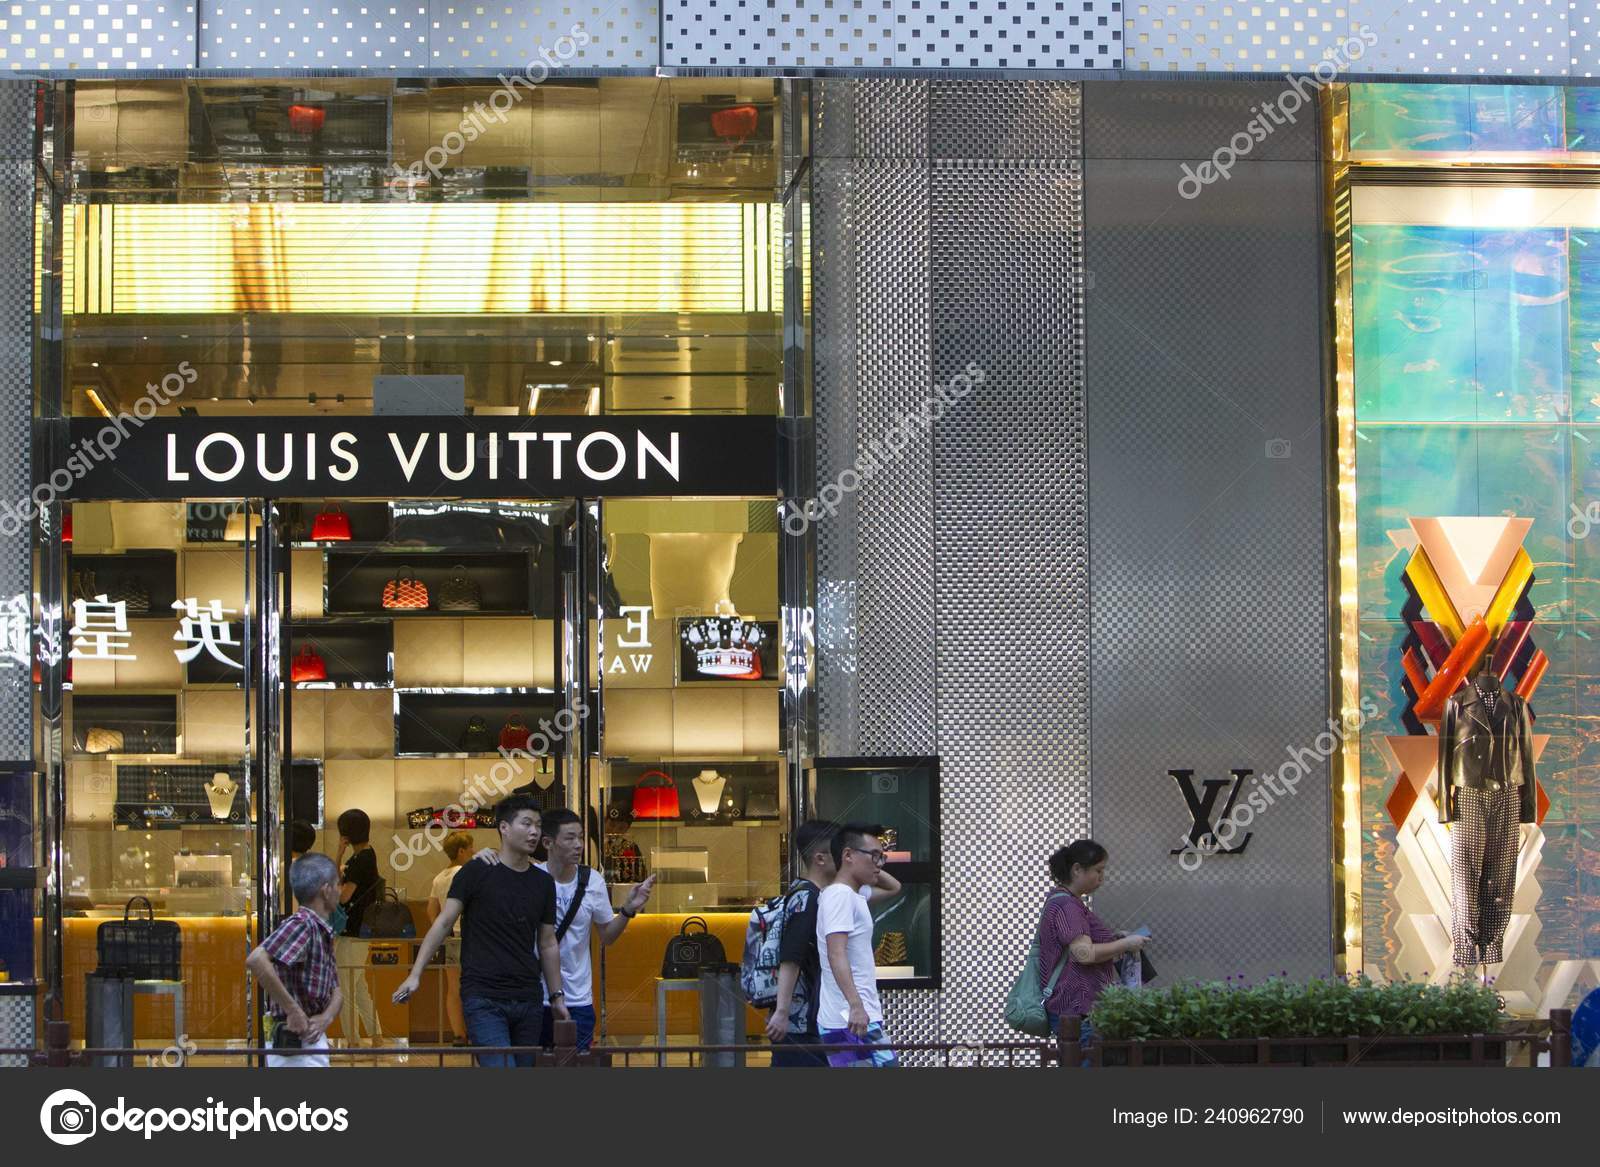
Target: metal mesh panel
<point>920,271</point>
<point>16,417</point>
<point>1011,518</point>
<point>1210,616</point>
<point>874,555</point>
<point>1032,120</point>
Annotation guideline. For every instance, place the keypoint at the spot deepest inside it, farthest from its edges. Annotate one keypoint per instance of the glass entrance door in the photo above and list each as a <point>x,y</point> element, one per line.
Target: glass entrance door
<point>424,652</point>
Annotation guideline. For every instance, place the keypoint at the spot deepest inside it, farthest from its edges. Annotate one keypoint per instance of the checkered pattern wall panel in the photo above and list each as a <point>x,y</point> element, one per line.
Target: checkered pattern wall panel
<point>1206,492</point>
<point>874,463</point>
<point>507,34</point>
<point>904,34</point>
<point>97,34</point>
<point>16,1029</point>
<point>16,414</point>
<point>1012,539</point>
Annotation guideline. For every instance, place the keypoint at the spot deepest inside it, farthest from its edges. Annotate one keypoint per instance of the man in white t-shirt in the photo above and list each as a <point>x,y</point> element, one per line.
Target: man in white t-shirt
<point>849,1011</point>
<point>564,830</point>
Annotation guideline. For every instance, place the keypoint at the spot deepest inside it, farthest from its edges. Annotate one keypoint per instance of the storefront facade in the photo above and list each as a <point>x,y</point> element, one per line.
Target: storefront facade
<point>1057,475</point>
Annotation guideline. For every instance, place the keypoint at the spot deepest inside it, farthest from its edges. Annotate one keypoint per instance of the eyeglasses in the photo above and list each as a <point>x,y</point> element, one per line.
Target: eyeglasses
<point>877,857</point>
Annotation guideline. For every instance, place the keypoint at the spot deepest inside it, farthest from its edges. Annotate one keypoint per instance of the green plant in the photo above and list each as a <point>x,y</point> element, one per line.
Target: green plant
<point>1355,1007</point>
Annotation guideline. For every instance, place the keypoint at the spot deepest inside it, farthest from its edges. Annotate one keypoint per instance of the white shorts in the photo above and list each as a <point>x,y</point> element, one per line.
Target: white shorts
<point>305,1058</point>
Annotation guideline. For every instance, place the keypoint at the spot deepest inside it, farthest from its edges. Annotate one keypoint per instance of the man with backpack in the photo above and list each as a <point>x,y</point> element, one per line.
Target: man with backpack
<point>792,1028</point>
<point>582,902</point>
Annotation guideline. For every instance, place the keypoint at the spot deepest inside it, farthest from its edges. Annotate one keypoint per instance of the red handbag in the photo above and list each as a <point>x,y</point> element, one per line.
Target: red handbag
<point>736,123</point>
<point>657,800</point>
<point>307,666</point>
<point>514,733</point>
<point>306,119</point>
<point>405,591</point>
<point>331,525</point>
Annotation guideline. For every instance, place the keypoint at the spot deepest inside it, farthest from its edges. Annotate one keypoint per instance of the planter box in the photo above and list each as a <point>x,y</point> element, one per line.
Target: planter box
<point>1453,1049</point>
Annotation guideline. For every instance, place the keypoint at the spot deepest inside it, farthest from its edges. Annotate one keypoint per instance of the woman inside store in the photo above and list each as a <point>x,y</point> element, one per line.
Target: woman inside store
<point>362,888</point>
<point>1072,937</point>
<point>458,849</point>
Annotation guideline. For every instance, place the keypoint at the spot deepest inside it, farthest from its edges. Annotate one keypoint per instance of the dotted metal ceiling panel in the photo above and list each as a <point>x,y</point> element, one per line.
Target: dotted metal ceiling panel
<point>502,33</point>
<point>313,34</point>
<point>906,34</point>
<point>118,34</point>
<point>1487,37</point>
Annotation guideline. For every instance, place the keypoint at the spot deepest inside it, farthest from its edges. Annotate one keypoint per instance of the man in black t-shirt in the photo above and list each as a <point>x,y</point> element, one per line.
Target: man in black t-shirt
<point>794,1018</point>
<point>509,951</point>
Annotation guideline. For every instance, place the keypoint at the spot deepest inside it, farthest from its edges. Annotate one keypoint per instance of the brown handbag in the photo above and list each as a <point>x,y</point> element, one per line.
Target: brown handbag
<point>405,591</point>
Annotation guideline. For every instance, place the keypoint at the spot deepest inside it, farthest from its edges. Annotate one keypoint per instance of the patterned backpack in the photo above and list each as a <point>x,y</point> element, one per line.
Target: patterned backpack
<point>763,936</point>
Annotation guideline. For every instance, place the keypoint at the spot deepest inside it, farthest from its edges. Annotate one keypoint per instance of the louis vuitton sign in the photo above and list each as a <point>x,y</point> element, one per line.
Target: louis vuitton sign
<point>427,457</point>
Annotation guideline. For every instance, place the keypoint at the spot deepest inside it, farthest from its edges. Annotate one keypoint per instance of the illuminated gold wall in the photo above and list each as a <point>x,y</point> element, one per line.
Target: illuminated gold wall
<point>441,259</point>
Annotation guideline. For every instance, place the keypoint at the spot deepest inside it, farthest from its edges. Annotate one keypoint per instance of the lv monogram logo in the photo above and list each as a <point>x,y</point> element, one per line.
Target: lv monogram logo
<point>1202,833</point>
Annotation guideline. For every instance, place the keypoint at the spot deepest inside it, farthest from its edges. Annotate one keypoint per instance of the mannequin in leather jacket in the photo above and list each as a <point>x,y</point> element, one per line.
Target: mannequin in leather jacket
<point>1484,750</point>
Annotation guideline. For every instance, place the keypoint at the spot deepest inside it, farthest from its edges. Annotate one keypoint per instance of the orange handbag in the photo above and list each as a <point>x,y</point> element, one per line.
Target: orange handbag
<point>307,666</point>
<point>405,591</point>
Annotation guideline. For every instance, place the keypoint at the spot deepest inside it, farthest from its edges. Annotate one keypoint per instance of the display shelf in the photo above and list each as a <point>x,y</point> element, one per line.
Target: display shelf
<point>22,878</point>
<point>148,723</point>
<point>354,655</point>
<point>155,571</point>
<point>355,579</point>
<point>432,722</point>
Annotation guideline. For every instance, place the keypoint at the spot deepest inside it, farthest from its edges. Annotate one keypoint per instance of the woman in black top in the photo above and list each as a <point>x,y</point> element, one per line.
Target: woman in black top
<point>361,888</point>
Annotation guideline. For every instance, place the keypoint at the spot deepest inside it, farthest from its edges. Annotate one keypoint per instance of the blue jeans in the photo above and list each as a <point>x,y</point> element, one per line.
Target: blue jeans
<point>583,1015</point>
<point>492,1021</point>
<point>784,1055</point>
<point>1085,1035</point>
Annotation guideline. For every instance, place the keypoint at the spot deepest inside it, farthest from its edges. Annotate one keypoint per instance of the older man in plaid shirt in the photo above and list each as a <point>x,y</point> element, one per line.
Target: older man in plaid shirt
<point>295,965</point>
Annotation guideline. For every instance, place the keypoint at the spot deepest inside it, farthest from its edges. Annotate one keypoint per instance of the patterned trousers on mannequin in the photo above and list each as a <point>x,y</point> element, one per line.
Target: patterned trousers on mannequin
<point>1483,872</point>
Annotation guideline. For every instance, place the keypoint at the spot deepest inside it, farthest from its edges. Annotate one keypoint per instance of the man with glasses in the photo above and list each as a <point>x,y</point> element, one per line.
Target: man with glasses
<point>295,966</point>
<point>849,1011</point>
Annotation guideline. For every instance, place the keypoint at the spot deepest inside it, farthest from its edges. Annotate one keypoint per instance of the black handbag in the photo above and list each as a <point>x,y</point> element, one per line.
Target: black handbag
<point>143,950</point>
<point>388,919</point>
<point>460,592</point>
<point>688,951</point>
<point>476,738</point>
<point>129,590</point>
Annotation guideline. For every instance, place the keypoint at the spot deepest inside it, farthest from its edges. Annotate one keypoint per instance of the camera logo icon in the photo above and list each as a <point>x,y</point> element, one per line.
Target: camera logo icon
<point>68,1117</point>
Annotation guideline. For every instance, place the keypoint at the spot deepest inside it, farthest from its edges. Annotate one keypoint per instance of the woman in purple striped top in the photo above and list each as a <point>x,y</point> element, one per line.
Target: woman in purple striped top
<point>1069,927</point>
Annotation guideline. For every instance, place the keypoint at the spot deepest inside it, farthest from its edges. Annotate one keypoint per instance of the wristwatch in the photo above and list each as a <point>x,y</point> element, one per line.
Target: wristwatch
<point>554,995</point>
<point>625,914</point>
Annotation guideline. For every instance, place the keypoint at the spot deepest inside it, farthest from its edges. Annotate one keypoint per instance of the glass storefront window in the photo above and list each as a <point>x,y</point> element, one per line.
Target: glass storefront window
<point>689,780</point>
<point>161,789</point>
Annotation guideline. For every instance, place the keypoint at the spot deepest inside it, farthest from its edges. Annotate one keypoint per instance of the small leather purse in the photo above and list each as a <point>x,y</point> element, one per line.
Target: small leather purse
<point>405,591</point>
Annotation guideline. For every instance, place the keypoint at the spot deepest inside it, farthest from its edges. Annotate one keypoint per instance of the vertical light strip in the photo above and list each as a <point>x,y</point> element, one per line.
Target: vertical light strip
<point>1348,796</point>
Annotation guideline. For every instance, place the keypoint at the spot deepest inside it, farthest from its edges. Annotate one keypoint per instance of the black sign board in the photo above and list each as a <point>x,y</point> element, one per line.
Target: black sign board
<point>422,457</point>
